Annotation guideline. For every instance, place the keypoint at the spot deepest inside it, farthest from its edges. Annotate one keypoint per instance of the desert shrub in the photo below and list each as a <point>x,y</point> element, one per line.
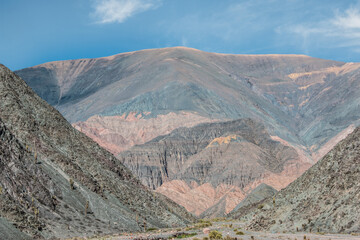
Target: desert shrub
<point>215,235</point>
<point>228,238</point>
<point>71,182</point>
<point>151,229</point>
<point>218,219</point>
<point>240,233</point>
<point>261,206</point>
<point>203,223</point>
<point>185,235</point>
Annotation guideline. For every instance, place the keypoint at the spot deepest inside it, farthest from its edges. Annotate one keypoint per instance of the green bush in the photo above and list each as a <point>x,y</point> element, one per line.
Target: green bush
<point>203,225</point>
<point>215,235</point>
<point>240,233</point>
<point>261,206</point>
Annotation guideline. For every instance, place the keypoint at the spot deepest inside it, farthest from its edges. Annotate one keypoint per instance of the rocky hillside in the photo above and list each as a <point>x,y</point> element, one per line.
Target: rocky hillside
<point>128,99</point>
<point>57,182</point>
<point>325,198</point>
<point>235,154</point>
<point>259,194</point>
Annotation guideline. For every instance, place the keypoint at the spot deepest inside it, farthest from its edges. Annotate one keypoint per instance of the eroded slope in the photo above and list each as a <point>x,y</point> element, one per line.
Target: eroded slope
<point>325,198</point>
<point>42,153</point>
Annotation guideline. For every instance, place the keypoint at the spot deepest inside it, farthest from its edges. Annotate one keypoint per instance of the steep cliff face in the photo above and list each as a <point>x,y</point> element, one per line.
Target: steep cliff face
<point>56,182</point>
<point>325,198</point>
<point>235,153</point>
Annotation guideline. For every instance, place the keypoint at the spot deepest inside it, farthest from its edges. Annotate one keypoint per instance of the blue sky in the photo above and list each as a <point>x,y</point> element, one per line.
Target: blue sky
<point>38,31</point>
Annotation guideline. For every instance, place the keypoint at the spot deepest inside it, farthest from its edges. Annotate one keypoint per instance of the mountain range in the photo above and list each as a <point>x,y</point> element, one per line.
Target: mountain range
<point>205,129</point>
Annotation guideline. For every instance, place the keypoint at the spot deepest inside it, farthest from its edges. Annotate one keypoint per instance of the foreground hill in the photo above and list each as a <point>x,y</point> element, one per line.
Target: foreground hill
<point>57,182</point>
<point>305,103</point>
<point>325,198</point>
<point>257,195</point>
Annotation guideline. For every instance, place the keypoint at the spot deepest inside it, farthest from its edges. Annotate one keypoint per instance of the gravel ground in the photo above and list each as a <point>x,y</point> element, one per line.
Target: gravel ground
<point>226,230</point>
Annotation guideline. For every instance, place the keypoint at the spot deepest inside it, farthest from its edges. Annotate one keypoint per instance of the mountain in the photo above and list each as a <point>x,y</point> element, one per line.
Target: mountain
<point>325,198</point>
<point>57,182</point>
<point>231,155</point>
<point>130,99</point>
<point>286,92</point>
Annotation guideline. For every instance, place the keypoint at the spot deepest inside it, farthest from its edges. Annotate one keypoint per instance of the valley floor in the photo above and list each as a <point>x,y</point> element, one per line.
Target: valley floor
<point>226,228</point>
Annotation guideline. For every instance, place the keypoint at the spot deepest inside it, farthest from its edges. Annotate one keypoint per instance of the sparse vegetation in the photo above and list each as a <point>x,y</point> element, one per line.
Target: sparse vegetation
<point>86,207</point>
<point>274,201</point>
<point>215,235</point>
<point>203,223</point>
<point>229,238</point>
<point>239,233</point>
<point>36,213</point>
<point>218,219</point>
<point>186,235</point>
<point>71,182</point>
<point>1,190</point>
<point>151,229</point>
<point>261,206</point>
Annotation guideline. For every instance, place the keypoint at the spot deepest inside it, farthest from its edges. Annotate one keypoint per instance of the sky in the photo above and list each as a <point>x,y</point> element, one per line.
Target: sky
<point>39,31</point>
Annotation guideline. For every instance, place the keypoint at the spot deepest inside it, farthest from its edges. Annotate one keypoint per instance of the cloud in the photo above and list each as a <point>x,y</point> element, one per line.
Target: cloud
<point>349,20</point>
<point>342,30</point>
<point>117,11</point>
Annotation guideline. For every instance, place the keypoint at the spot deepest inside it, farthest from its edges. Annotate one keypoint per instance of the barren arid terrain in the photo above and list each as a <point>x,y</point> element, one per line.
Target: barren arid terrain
<point>229,229</point>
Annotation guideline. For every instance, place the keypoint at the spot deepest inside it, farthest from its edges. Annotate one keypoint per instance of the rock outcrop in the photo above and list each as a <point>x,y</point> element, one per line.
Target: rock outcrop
<point>326,198</point>
<point>57,182</point>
